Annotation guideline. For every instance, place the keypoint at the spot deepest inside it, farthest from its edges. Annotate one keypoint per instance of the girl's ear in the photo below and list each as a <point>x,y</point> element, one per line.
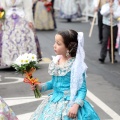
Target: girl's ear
<point>67,53</point>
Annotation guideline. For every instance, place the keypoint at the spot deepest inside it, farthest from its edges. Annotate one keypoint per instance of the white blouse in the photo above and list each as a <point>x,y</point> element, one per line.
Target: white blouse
<point>23,8</point>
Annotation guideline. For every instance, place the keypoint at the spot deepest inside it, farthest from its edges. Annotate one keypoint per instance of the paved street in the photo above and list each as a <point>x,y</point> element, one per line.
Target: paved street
<point>103,80</point>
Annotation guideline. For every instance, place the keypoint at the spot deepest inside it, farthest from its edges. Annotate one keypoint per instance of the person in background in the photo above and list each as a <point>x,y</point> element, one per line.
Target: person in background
<point>107,9</point>
<point>6,113</point>
<point>98,5</point>
<point>68,71</point>
<point>33,8</point>
<point>18,33</point>
<point>53,14</point>
<point>43,16</point>
<point>70,9</point>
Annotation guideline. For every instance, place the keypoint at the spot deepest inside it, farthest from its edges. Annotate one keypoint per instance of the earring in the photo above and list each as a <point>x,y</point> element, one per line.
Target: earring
<point>67,53</point>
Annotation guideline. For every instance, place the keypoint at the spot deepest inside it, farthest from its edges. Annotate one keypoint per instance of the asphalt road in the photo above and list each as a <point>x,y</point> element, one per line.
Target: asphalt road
<point>103,80</point>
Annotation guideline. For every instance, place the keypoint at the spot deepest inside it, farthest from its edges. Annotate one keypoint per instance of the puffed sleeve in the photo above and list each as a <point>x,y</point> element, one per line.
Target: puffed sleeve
<point>28,10</point>
<point>81,94</point>
<point>105,10</point>
<point>47,86</point>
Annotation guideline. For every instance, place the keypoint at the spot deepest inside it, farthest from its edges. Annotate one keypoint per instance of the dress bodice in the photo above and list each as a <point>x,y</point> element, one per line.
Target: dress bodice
<point>60,80</point>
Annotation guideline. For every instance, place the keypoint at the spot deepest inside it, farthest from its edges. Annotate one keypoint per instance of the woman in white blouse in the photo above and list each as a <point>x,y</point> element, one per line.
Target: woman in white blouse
<point>18,36</point>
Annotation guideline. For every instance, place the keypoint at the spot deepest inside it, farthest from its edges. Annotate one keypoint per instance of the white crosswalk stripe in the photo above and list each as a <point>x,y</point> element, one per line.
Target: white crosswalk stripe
<point>22,100</point>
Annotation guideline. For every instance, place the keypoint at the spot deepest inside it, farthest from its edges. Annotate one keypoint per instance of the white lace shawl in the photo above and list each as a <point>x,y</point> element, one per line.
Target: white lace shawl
<point>78,68</point>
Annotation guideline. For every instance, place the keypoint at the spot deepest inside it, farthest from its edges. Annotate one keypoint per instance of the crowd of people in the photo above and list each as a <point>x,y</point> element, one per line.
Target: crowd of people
<point>108,14</point>
<point>68,69</point>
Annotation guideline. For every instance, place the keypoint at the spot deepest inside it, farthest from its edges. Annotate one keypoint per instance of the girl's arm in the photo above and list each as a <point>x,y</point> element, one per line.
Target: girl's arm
<point>46,86</point>
<point>81,94</point>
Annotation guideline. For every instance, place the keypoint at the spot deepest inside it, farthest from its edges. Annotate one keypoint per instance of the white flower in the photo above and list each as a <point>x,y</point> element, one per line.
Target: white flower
<point>18,61</point>
<point>25,59</point>
<point>32,57</point>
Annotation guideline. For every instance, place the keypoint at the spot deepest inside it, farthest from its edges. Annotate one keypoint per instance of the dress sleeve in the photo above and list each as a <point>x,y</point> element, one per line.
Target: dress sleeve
<point>81,94</point>
<point>28,10</point>
<point>47,86</point>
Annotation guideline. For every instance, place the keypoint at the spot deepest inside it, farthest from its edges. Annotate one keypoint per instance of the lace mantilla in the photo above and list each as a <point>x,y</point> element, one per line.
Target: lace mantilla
<point>58,70</point>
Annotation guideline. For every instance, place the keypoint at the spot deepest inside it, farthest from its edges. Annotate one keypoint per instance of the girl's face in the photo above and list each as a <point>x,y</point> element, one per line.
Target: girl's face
<point>59,46</point>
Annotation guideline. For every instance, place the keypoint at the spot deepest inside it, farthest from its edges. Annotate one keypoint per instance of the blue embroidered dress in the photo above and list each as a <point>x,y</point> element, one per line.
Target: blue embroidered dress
<point>56,106</point>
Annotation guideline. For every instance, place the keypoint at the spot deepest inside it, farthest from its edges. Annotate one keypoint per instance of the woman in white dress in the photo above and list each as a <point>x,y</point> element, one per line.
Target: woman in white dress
<point>43,17</point>
<point>69,9</point>
<point>18,36</point>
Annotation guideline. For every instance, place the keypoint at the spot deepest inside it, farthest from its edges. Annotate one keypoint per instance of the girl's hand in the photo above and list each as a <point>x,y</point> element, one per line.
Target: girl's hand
<point>73,111</point>
<point>33,87</point>
<point>31,25</point>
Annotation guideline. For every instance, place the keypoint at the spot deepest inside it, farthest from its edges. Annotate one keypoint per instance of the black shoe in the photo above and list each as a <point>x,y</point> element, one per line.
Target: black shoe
<point>69,20</point>
<point>101,60</point>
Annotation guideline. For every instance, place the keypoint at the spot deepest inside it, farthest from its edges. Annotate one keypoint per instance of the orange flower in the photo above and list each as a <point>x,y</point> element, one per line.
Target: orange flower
<point>31,81</point>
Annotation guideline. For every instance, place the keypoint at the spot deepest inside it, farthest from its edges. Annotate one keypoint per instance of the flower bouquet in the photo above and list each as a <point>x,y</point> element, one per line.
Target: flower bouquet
<point>27,64</point>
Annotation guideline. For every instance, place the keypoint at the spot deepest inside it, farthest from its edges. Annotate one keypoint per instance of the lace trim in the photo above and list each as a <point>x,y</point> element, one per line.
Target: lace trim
<point>57,70</point>
<point>79,102</point>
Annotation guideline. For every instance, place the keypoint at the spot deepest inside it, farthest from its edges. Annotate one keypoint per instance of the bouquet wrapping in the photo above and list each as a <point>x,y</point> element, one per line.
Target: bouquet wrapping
<point>27,64</point>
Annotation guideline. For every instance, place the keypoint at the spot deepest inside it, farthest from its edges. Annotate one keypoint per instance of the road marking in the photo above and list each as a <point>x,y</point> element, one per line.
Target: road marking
<point>45,61</point>
<point>22,100</point>
<point>16,78</point>
<point>103,106</point>
<point>25,116</point>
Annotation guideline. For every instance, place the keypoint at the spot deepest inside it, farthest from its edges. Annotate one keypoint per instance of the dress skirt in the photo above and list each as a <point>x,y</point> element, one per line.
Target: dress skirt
<point>17,38</point>
<point>70,9</point>
<point>43,19</point>
<point>6,112</point>
<point>49,110</point>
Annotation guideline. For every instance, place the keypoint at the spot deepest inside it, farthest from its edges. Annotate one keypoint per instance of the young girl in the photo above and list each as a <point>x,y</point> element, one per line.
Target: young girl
<point>67,101</point>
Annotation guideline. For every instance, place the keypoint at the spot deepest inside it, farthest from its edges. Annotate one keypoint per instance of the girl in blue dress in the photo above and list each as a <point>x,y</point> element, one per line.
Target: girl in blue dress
<point>67,101</point>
